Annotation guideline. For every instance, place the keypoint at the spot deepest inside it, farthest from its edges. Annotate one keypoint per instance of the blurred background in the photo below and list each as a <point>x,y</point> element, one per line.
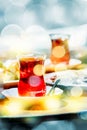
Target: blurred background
<point>49,14</point>
<point>18,18</point>
<point>60,16</point>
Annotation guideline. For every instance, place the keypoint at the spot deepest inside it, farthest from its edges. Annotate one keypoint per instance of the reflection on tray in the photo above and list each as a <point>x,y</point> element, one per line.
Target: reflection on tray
<point>31,105</point>
<point>43,106</point>
<point>56,104</point>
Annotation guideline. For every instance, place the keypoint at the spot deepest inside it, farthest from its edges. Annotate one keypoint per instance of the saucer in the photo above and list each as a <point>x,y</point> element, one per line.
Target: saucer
<point>13,92</point>
<point>71,62</point>
<point>61,66</point>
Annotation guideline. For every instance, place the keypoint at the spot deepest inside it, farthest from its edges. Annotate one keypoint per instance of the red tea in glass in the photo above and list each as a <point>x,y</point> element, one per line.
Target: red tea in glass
<point>60,49</point>
<point>31,81</point>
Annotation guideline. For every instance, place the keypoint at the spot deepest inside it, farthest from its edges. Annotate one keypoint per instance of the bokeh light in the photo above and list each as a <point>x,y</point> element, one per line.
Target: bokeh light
<point>11,29</point>
<point>18,41</point>
<point>38,70</point>
<point>34,81</point>
<point>58,51</point>
<point>36,29</point>
<point>76,91</point>
<point>12,107</point>
<point>52,103</point>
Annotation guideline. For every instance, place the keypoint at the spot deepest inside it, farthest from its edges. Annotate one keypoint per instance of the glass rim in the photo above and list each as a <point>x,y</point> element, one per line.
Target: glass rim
<point>32,54</point>
<point>59,35</point>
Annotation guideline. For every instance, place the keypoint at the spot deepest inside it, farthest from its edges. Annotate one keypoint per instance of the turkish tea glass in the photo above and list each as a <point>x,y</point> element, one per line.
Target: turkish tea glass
<point>60,52</point>
<point>31,81</point>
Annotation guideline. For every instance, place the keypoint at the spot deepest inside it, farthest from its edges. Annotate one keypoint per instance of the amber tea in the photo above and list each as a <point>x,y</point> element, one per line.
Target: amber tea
<point>60,49</point>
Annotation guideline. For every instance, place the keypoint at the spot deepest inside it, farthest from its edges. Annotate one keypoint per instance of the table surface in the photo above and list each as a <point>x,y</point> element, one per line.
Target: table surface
<point>68,107</point>
<point>73,106</point>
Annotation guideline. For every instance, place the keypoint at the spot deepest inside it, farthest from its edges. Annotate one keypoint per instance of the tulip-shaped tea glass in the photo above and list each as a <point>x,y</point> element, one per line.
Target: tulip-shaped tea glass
<point>31,82</point>
<point>60,48</point>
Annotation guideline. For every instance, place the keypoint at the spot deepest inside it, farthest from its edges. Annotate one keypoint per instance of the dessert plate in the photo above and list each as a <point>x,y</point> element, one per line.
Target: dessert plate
<point>68,78</point>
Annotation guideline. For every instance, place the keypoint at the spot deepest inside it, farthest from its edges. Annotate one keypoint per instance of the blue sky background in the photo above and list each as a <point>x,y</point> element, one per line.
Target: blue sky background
<point>49,14</point>
<point>19,17</point>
